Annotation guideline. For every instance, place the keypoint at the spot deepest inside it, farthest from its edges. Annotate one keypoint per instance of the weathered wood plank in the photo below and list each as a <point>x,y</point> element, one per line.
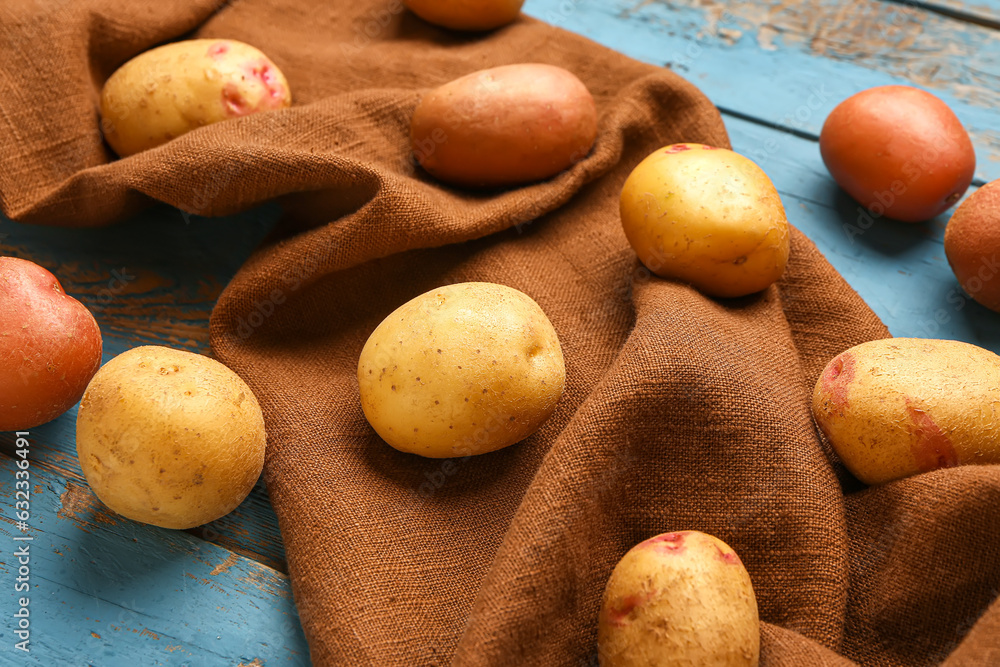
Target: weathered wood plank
<point>983,12</point>
<point>789,64</point>
<point>107,591</point>
<point>150,280</point>
<point>250,530</point>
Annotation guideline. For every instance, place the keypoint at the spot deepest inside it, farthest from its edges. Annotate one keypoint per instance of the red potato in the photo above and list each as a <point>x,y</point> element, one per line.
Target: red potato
<point>898,151</point>
<point>50,346</point>
<point>504,126</point>
<point>972,244</point>
<point>466,14</point>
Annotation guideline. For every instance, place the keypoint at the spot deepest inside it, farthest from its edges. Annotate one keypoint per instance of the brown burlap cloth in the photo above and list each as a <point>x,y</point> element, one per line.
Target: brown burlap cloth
<point>681,412</point>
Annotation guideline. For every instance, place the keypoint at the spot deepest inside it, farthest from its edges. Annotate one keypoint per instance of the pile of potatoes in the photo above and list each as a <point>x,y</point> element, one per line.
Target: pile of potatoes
<point>176,439</point>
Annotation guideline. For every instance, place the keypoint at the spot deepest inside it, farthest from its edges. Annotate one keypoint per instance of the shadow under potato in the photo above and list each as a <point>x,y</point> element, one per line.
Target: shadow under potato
<point>880,233</point>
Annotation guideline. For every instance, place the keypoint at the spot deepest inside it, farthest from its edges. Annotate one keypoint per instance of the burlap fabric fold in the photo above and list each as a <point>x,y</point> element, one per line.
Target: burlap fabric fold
<point>681,412</point>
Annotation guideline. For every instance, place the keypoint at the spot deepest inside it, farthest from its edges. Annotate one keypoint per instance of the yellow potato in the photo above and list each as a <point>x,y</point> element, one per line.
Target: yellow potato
<point>173,89</point>
<point>461,370</point>
<point>901,406</point>
<point>679,599</point>
<point>504,126</point>
<point>466,14</point>
<point>707,216</point>
<point>169,438</point>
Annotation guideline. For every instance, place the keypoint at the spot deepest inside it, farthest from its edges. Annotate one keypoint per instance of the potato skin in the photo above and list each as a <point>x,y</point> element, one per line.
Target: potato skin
<point>466,14</point>
<point>504,126</point>
<point>972,244</point>
<point>707,216</point>
<point>169,438</point>
<point>463,369</point>
<point>898,151</point>
<point>679,599</point>
<point>902,406</point>
<point>173,89</point>
<point>50,346</point>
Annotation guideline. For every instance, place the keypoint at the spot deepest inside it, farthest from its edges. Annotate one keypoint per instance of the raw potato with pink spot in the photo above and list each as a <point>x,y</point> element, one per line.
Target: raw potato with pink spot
<point>173,89</point>
<point>707,216</point>
<point>902,406</point>
<point>679,599</point>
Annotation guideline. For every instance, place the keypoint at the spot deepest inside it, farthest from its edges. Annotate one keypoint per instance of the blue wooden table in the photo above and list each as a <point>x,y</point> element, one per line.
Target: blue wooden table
<point>106,591</point>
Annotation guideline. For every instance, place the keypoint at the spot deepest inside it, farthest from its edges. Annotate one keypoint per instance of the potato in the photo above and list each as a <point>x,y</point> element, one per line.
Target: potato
<point>898,151</point>
<point>679,599</point>
<point>50,346</point>
<point>173,89</point>
<point>972,244</point>
<point>504,126</point>
<point>461,370</point>
<point>169,438</point>
<point>901,406</point>
<point>466,14</point>
<point>707,216</point>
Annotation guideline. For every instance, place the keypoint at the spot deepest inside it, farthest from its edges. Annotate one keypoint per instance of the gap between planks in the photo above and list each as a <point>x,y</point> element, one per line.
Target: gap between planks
<point>801,134</point>
<point>959,12</point>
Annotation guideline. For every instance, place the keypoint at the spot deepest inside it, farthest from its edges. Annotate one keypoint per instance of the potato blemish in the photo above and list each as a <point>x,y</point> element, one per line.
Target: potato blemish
<point>668,542</point>
<point>217,49</point>
<point>264,72</point>
<point>233,100</point>
<point>728,557</point>
<point>618,615</point>
<point>837,379</point>
<point>932,449</point>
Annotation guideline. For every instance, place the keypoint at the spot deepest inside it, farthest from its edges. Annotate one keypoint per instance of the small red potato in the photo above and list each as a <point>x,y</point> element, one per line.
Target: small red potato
<point>972,244</point>
<point>707,216</point>
<point>50,346</point>
<point>475,15</point>
<point>679,599</point>
<point>902,406</point>
<point>504,126</point>
<point>898,151</point>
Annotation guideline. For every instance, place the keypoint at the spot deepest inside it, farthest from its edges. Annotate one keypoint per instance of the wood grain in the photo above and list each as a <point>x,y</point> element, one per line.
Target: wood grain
<point>108,591</point>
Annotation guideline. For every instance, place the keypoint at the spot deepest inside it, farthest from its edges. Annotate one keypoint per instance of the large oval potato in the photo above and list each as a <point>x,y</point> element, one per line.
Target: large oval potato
<point>899,151</point>
<point>466,14</point>
<point>901,406</point>
<point>173,89</point>
<point>504,126</point>
<point>461,370</point>
<point>169,438</point>
<point>679,599</point>
<point>707,216</point>
<point>50,346</point>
